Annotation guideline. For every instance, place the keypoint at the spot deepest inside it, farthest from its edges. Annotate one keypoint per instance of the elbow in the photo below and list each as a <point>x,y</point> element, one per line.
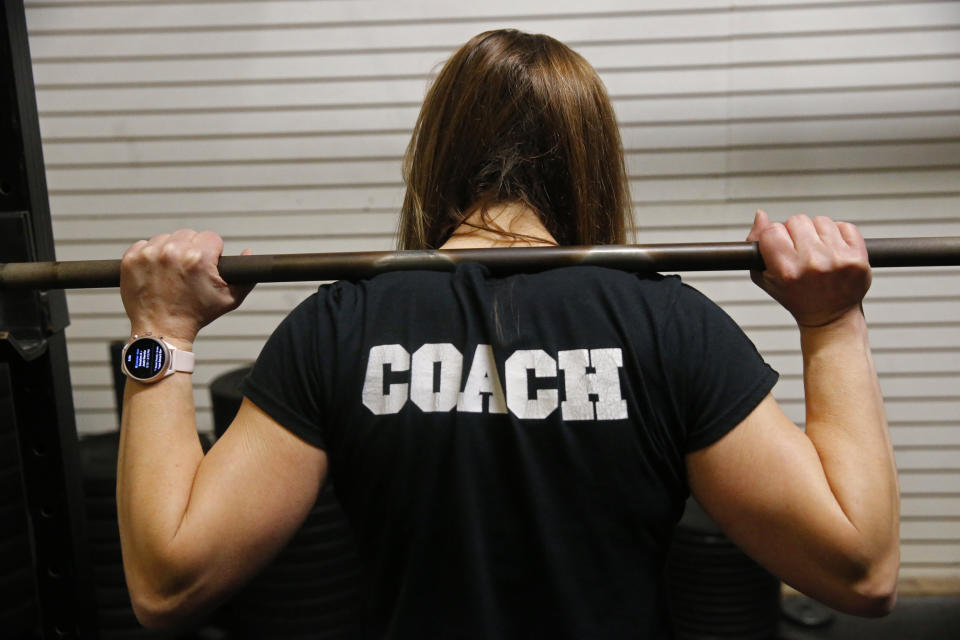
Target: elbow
<point>153,614</point>
<point>161,604</point>
<point>173,588</point>
<point>874,603</point>
<point>155,611</point>
<point>874,595</point>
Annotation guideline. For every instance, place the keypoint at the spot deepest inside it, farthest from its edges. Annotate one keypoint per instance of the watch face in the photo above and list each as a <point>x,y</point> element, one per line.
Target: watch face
<point>145,358</point>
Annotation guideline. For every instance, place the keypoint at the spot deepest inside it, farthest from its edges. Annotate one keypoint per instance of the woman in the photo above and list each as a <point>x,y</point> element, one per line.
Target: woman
<point>513,453</point>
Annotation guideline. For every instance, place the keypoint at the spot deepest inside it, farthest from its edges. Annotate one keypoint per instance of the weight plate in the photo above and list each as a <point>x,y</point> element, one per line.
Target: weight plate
<point>117,618</point>
<point>715,595</point>
<point>270,625</point>
<point>709,584</point>
<point>277,610</point>
<point>760,630</point>
<point>109,575</point>
<point>709,561</point>
<point>340,632</point>
<point>327,509</point>
<point>696,567</point>
<point>696,558</point>
<point>314,552</point>
<point>130,634</point>
<point>318,533</point>
<point>140,634</point>
<point>681,533</point>
<point>100,487</point>
<point>322,601</point>
<point>100,507</point>
<point>744,619</point>
<point>112,596</point>
<point>720,579</point>
<point>720,607</point>
<point>722,569</point>
<point>738,634</point>
<point>225,398</point>
<point>719,574</point>
<point>685,549</point>
<point>98,455</point>
<point>714,598</point>
<point>722,592</point>
<point>103,530</point>
<point>734,629</point>
<point>106,552</point>
<point>307,570</point>
<point>290,588</point>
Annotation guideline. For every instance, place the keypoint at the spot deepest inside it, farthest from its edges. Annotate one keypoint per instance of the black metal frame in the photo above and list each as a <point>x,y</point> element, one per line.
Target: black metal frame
<point>33,348</point>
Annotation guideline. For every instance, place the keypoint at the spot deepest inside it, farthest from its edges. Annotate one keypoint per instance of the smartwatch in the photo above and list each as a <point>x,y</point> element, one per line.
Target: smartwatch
<point>148,359</point>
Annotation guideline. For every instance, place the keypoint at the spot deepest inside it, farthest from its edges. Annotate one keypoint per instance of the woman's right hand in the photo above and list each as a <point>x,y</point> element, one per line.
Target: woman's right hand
<point>171,287</point>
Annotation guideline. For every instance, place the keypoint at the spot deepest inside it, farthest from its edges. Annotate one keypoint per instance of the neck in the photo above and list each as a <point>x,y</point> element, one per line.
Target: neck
<point>480,232</point>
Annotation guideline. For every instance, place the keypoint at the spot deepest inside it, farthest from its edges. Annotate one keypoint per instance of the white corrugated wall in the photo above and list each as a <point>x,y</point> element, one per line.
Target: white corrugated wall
<point>280,124</point>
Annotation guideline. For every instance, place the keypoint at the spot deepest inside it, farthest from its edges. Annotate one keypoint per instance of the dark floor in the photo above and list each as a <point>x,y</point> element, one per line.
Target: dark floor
<point>914,618</point>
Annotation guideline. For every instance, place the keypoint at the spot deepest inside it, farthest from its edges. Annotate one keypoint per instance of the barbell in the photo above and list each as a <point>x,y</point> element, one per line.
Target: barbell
<point>723,256</point>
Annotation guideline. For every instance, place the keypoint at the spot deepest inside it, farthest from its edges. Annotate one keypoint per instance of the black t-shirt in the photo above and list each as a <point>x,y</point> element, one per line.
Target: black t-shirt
<point>510,451</point>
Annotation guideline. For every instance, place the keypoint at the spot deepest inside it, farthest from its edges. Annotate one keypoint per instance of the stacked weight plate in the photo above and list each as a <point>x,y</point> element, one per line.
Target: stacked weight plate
<point>311,589</point>
<point>717,591</point>
<point>18,600</point>
<point>99,462</point>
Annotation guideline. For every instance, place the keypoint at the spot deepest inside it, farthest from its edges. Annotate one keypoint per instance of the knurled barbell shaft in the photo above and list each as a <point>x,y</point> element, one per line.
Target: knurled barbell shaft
<point>723,256</point>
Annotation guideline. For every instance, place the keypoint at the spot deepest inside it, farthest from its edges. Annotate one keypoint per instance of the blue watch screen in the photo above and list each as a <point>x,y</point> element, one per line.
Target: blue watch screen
<point>145,358</point>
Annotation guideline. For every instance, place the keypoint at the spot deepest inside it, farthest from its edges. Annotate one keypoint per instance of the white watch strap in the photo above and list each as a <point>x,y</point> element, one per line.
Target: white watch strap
<point>182,360</point>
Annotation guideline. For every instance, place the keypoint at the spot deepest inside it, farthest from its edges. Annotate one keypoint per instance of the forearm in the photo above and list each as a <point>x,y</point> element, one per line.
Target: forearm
<point>847,425</point>
<point>160,454</point>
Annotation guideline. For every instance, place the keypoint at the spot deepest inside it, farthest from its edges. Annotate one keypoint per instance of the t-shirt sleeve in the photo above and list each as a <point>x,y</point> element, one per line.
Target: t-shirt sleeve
<point>718,372</point>
<point>288,381</point>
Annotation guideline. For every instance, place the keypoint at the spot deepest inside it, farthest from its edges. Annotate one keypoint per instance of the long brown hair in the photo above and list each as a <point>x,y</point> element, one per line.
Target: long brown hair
<point>516,118</point>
